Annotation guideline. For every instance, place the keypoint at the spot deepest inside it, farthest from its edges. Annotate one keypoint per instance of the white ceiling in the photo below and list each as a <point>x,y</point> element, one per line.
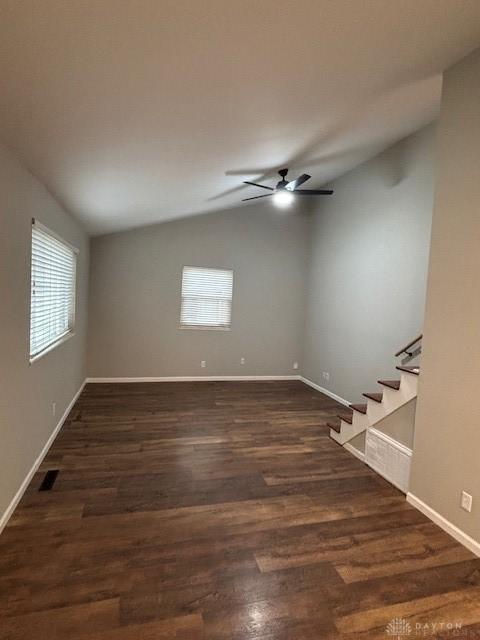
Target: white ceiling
<point>138,111</point>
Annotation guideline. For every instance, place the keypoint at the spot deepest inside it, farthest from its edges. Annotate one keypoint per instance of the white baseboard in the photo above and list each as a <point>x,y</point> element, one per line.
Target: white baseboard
<point>18,496</point>
<point>471,544</point>
<point>354,451</point>
<point>194,379</point>
<point>328,393</point>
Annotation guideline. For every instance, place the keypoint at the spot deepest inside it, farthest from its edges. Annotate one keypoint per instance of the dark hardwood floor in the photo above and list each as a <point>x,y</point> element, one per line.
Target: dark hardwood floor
<point>221,511</point>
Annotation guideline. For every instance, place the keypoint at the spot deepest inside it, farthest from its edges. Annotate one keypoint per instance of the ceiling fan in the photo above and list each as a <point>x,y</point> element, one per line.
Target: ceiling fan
<point>284,190</point>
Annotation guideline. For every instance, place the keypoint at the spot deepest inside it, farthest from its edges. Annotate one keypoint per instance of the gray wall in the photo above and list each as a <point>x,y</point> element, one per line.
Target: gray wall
<point>400,425</point>
<point>136,286</point>
<point>447,431</point>
<point>368,266</point>
<point>27,391</point>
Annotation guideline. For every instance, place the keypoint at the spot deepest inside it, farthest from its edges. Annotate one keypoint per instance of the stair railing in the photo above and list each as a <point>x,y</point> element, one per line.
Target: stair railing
<point>407,348</point>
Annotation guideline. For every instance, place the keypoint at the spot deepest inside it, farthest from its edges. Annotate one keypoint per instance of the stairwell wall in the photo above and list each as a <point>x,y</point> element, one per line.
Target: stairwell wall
<point>447,431</point>
<point>366,276</point>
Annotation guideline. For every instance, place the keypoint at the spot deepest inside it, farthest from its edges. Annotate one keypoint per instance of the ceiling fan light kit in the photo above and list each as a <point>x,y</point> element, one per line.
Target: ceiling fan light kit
<point>283,198</point>
<point>283,192</point>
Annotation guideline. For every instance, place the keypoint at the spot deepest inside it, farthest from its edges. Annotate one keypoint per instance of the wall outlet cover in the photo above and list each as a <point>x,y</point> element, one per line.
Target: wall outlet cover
<point>466,502</point>
<point>203,364</point>
<point>295,365</point>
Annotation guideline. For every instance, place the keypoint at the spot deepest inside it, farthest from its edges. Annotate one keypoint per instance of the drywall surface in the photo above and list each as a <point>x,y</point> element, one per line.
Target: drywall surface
<point>447,432</point>
<point>368,266</point>
<point>136,294</point>
<point>28,390</point>
<point>400,425</point>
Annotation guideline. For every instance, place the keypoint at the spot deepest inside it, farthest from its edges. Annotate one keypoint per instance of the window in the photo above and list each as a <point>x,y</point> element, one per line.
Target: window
<point>52,297</point>
<point>206,298</point>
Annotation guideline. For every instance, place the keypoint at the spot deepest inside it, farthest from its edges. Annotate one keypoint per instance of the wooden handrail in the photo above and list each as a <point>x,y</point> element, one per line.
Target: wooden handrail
<point>407,346</point>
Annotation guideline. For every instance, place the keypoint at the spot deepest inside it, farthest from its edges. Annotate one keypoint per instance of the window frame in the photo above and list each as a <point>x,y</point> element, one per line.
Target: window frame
<point>200,327</point>
<point>70,332</point>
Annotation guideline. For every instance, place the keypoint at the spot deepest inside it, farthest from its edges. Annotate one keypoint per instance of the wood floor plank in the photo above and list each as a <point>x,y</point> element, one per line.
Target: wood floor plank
<point>389,590</point>
<point>454,606</point>
<point>273,616</point>
<point>63,622</point>
<point>181,628</point>
<point>375,546</point>
<point>219,511</point>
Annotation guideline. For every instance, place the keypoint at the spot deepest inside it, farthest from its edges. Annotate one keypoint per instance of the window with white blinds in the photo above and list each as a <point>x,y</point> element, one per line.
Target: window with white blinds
<point>206,298</point>
<point>52,306</point>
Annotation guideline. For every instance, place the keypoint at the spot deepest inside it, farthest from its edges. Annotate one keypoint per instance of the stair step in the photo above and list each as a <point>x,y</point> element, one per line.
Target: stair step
<point>335,426</point>
<point>393,384</point>
<point>414,370</point>
<point>374,396</point>
<point>347,417</point>
<point>361,408</point>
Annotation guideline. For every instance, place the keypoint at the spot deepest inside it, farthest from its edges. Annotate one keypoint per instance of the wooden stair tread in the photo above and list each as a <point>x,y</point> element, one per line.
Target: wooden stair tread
<point>414,370</point>
<point>361,408</point>
<point>374,396</point>
<point>336,426</point>
<point>393,384</point>
<point>347,417</point>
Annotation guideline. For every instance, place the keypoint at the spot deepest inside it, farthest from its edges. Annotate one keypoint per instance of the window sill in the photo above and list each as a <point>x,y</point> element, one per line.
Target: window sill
<point>200,328</point>
<point>54,345</point>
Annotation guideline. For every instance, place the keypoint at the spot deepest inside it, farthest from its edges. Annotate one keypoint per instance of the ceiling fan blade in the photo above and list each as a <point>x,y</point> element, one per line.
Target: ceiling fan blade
<point>294,184</point>
<point>254,184</point>
<point>314,192</point>
<point>256,197</point>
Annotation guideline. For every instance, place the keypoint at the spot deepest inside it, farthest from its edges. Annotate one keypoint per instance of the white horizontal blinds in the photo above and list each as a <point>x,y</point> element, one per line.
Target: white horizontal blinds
<point>206,297</point>
<point>52,289</point>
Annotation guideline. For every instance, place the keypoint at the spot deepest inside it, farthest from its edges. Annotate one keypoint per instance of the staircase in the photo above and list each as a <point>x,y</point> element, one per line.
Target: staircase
<point>396,393</point>
<point>386,414</point>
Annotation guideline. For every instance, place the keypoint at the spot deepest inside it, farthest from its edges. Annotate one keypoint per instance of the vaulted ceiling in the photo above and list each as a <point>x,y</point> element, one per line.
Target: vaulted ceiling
<point>138,111</point>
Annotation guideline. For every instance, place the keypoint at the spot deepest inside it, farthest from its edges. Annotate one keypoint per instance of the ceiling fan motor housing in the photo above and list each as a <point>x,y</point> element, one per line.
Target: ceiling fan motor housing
<point>289,186</point>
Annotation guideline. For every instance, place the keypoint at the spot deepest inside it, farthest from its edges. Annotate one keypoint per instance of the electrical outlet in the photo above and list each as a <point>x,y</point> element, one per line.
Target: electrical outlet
<point>54,408</point>
<point>295,365</point>
<point>466,502</point>
<point>203,364</point>
<point>325,375</point>
<point>242,360</point>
